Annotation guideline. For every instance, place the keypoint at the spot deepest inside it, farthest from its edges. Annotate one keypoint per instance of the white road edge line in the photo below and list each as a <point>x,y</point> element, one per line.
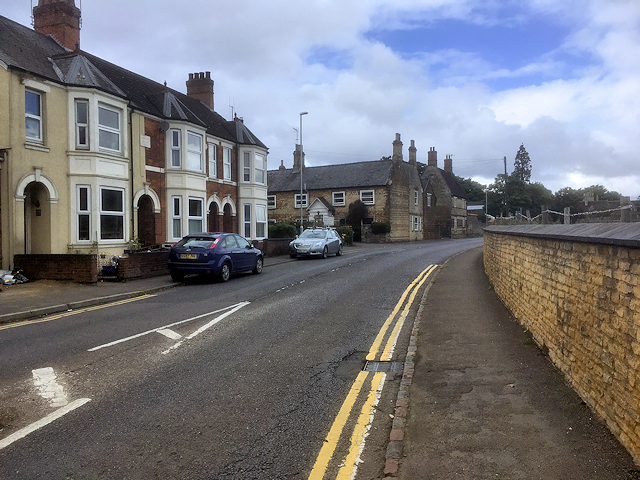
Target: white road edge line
<point>115,342</point>
<point>42,422</point>
<point>208,325</point>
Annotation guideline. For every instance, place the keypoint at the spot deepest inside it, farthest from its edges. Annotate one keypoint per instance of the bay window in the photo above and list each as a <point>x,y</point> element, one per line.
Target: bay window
<point>195,215</point>
<point>247,220</point>
<point>82,124</point>
<point>261,221</point>
<point>194,152</point>
<point>176,145</point>
<point>108,128</point>
<point>111,214</point>
<point>260,169</point>
<point>176,217</point>
<point>83,209</point>
<point>246,167</point>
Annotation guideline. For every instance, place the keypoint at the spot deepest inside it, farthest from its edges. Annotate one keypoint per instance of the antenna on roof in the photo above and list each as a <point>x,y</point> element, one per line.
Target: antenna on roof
<point>232,108</point>
<point>297,132</point>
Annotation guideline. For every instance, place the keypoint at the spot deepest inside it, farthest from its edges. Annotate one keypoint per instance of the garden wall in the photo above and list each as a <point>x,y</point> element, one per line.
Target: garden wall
<point>576,288</point>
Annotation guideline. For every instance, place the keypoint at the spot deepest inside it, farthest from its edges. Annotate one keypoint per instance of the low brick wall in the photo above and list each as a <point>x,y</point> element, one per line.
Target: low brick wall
<point>143,264</point>
<point>576,288</point>
<point>82,268</point>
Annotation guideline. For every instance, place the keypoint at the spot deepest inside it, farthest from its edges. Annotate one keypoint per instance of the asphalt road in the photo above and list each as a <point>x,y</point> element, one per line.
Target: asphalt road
<point>244,382</point>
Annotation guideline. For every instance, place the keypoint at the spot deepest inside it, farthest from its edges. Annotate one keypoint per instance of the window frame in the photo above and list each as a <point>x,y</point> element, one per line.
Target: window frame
<point>226,163</point>
<point>176,149</point>
<point>246,167</point>
<point>364,193</point>
<point>260,169</point>
<point>112,213</point>
<point>34,116</point>
<point>271,202</point>
<point>82,126</point>
<point>338,203</point>
<point>261,224</point>
<point>83,212</point>
<point>429,196</point>
<point>212,158</point>
<point>246,220</point>
<point>176,215</point>
<point>109,129</point>
<point>194,154</point>
<point>193,218</point>
<point>415,197</point>
<point>297,200</point>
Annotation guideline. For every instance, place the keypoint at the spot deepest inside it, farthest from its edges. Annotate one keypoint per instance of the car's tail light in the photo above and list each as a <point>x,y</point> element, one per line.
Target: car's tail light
<point>213,245</point>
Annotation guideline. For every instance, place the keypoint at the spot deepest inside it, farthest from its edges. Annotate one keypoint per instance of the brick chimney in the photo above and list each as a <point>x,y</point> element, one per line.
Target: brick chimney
<point>432,159</point>
<point>200,87</point>
<point>296,158</point>
<point>60,19</point>
<point>448,164</point>
<point>397,149</point>
<point>282,167</point>
<point>412,152</point>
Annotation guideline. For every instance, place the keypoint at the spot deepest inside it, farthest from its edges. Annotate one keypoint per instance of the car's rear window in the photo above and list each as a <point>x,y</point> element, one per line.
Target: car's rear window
<point>196,242</point>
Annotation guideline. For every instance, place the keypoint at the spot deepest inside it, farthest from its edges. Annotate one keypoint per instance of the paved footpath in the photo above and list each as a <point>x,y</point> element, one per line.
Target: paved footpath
<point>485,403</point>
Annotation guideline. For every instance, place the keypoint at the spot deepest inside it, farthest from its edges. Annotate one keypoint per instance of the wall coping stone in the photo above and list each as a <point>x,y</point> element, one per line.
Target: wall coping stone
<point>627,234</point>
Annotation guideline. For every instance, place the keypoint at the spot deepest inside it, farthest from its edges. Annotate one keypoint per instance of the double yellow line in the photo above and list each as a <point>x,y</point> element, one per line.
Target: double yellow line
<point>369,382</point>
<point>57,316</point>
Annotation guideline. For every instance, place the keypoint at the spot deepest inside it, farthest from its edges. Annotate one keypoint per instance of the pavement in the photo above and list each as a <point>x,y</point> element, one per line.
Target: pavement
<point>478,398</point>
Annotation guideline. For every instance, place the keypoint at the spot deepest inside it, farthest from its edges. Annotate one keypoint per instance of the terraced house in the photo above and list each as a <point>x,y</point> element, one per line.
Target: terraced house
<point>96,157</point>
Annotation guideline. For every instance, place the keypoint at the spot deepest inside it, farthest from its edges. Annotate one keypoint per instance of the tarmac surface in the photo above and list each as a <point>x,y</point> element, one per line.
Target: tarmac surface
<point>481,400</point>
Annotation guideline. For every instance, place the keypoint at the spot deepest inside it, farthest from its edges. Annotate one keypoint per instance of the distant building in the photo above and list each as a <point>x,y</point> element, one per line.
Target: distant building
<point>94,157</point>
<point>390,188</point>
<point>445,211</point>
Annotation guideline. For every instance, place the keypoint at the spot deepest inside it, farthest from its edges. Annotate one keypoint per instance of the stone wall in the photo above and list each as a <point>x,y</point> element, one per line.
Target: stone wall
<point>576,288</point>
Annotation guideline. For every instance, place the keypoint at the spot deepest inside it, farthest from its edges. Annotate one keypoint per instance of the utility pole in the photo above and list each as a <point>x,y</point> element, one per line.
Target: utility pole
<point>506,197</point>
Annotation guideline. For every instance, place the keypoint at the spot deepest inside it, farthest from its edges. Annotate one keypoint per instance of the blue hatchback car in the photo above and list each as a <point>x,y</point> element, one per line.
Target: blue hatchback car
<point>214,254</point>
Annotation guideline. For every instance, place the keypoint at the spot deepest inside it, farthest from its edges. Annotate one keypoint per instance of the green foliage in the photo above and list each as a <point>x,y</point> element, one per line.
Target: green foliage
<point>357,211</point>
<point>522,165</point>
<point>473,189</point>
<point>282,230</point>
<point>380,227</point>
<point>346,232</point>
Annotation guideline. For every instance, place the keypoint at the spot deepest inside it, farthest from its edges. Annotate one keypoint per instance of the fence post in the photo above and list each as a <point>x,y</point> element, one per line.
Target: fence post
<point>567,215</point>
<point>625,214</point>
<point>545,214</point>
<point>529,216</point>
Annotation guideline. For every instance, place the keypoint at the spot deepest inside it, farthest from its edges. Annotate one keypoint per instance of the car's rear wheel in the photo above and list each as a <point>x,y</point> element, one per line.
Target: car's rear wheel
<point>293,255</point>
<point>339,252</point>
<point>225,272</point>
<point>177,276</point>
<point>325,252</point>
<point>258,267</point>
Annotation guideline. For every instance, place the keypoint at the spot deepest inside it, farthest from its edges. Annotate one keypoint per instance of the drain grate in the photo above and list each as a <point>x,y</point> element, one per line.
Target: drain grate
<point>393,367</point>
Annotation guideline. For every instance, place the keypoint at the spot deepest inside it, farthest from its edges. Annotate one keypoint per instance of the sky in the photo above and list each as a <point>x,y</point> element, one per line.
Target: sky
<point>473,79</point>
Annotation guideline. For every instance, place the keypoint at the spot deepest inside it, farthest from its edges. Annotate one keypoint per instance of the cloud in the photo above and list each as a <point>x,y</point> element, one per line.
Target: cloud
<point>575,103</point>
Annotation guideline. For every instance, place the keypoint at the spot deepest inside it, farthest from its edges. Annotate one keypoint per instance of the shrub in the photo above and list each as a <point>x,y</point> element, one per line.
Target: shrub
<point>380,227</point>
<point>282,230</point>
<point>346,232</point>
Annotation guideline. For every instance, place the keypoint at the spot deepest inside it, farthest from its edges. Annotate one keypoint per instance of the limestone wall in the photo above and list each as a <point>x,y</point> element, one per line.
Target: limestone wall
<point>577,290</point>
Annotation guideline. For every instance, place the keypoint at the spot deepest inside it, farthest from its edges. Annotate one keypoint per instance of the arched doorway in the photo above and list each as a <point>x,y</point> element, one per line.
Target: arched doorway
<point>213,223</point>
<point>227,219</point>
<point>37,219</point>
<point>146,221</point>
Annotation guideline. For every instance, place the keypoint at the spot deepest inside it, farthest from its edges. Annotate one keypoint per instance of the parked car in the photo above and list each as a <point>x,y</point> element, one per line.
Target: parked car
<point>316,242</point>
<point>214,254</point>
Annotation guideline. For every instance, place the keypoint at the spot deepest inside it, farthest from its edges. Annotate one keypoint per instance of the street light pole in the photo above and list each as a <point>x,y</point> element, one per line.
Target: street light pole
<point>301,163</point>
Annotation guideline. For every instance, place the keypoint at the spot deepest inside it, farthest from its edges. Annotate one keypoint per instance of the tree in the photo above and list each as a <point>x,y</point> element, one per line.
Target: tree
<point>522,165</point>
<point>473,189</point>
<point>357,211</point>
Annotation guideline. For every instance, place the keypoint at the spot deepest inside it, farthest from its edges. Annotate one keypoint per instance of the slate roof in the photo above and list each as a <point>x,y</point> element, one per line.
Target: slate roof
<point>346,175</point>
<point>452,183</point>
<point>24,49</point>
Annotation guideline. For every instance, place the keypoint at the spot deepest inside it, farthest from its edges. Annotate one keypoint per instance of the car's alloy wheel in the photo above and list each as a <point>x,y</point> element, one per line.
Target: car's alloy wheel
<point>325,252</point>
<point>258,267</point>
<point>225,272</point>
<point>339,252</point>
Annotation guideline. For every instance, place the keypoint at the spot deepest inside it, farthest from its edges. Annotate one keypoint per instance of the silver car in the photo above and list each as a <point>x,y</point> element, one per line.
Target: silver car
<point>316,242</point>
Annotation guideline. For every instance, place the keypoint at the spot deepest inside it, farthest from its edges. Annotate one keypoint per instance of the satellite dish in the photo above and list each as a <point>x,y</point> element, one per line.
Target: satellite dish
<point>163,126</point>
